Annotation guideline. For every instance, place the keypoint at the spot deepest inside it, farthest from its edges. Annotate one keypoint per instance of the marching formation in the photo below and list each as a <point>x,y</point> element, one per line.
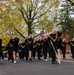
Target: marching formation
<point>42,45</point>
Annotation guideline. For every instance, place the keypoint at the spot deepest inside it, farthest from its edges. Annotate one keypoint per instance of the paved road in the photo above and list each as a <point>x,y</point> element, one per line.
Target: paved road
<point>36,68</point>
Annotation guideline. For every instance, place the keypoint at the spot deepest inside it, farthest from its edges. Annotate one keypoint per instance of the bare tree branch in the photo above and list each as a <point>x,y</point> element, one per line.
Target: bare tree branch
<point>19,32</point>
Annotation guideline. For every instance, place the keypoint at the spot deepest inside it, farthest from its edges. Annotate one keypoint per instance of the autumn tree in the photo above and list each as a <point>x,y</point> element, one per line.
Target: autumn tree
<point>35,12</point>
<point>28,16</point>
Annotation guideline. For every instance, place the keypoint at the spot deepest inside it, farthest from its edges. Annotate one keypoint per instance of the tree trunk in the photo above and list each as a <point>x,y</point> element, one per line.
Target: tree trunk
<point>29,29</point>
